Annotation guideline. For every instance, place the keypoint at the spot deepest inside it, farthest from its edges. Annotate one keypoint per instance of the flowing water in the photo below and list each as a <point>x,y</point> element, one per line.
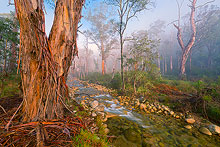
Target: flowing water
<point>136,130</point>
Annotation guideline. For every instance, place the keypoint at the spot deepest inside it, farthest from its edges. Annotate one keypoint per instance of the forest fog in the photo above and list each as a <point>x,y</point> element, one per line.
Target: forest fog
<point>99,49</point>
<point>101,73</point>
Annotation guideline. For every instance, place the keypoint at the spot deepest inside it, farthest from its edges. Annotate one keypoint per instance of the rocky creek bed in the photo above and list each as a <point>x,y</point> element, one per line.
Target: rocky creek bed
<point>144,124</point>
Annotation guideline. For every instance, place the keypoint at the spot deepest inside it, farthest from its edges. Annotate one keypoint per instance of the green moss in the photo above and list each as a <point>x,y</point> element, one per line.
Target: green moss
<point>214,112</point>
<point>87,139</point>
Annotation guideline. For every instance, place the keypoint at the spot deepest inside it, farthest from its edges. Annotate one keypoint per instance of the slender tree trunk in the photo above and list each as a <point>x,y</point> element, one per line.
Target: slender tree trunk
<point>103,66</point>
<point>158,59</point>
<point>163,70</point>
<point>45,62</point>
<point>190,61</point>
<point>171,63</point>
<point>186,49</point>
<point>122,63</point>
<point>165,64</point>
<point>209,57</point>
<point>103,57</point>
<point>5,58</point>
<point>87,56</point>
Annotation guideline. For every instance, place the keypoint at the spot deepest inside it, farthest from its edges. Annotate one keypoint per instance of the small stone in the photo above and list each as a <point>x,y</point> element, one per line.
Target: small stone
<point>166,108</point>
<point>171,113</point>
<point>143,106</point>
<point>205,131</point>
<point>214,129</point>
<point>102,114</point>
<point>188,127</point>
<point>190,120</point>
<point>105,119</point>
<point>106,130</point>
<point>94,114</point>
<point>105,125</point>
<point>159,111</point>
<point>115,101</point>
<point>152,110</point>
<point>100,108</point>
<point>137,102</point>
<point>94,104</point>
<point>148,112</point>
<point>125,112</point>
<point>177,116</point>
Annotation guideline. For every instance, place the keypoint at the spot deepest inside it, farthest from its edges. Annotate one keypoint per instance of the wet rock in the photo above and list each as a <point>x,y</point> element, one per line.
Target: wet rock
<point>205,131</point>
<point>146,143</point>
<point>94,114</point>
<point>165,112</point>
<point>132,135</point>
<point>100,108</point>
<point>105,119</point>
<point>137,102</point>
<point>188,127</point>
<point>214,129</point>
<point>171,113</point>
<point>143,106</point>
<point>147,111</point>
<point>166,108</point>
<point>159,111</point>
<point>109,115</point>
<point>190,120</point>
<point>115,101</point>
<point>94,104</point>
<point>102,114</point>
<point>161,144</point>
<point>177,116</point>
<point>125,112</point>
<point>122,142</point>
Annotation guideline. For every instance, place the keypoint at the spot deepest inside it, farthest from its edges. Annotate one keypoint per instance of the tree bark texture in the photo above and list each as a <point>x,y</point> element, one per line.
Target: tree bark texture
<point>45,62</point>
<point>186,49</point>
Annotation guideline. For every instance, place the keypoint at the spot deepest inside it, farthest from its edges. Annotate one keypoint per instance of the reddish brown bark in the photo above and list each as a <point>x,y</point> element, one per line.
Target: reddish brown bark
<point>186,49</point>
<point>171,63</point>
<point>45,62</point>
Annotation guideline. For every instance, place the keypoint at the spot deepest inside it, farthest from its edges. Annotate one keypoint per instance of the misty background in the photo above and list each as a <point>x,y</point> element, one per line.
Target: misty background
<point>157,21</point>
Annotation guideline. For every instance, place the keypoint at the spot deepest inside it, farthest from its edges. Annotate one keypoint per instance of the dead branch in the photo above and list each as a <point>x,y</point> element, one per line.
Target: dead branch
<point>8,124</point>
<point>3,109</point>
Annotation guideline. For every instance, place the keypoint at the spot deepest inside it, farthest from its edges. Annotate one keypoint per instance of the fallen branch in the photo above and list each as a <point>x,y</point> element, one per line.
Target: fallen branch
<point>3,109</point>
<point>8,124</point>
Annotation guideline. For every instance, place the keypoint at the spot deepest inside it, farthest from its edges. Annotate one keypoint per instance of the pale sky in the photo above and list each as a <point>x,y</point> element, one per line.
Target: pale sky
<point>165,10</point>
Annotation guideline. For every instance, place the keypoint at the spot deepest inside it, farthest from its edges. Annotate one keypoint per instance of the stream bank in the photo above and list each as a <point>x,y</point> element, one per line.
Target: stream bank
<point>137,129</point>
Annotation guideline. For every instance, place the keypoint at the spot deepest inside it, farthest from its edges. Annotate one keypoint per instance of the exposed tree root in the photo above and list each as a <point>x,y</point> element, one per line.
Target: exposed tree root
<point>45,133</point>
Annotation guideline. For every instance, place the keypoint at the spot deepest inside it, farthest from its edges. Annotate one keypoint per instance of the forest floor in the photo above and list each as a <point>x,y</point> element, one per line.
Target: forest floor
<point>125,121</point>
<point>137,122</point>
<point>72,130</point>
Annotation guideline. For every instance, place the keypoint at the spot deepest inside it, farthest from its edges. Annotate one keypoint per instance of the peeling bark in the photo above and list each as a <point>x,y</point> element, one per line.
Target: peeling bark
<point>45,62</point>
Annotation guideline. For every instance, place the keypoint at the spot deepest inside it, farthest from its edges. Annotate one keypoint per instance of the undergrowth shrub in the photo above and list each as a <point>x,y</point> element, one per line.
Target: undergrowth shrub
<point>9,85</point>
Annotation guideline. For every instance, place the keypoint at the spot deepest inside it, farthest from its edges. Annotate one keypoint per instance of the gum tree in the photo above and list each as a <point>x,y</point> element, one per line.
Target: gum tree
<point>46,61</point>
<point>127,9</point>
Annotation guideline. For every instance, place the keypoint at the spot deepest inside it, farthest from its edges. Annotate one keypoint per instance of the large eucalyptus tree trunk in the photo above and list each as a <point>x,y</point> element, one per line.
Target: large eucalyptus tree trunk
<point>46,61</point>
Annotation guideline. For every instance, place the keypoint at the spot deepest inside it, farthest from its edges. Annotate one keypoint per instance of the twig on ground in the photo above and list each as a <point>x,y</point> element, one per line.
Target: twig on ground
<point>8,124</point>
<point>3,109</point>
